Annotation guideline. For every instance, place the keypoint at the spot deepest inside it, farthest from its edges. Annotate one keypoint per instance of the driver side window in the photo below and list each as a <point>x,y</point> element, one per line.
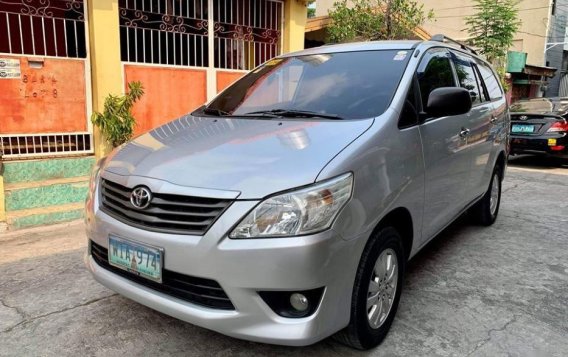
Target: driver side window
<point>435,71</point>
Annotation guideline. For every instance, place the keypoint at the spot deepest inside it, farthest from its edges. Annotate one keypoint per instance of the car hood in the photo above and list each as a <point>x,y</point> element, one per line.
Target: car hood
<point>256,157</point>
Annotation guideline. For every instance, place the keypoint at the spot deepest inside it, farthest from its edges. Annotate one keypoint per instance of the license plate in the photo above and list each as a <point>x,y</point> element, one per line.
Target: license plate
<point>137,258</point>
<point>551,142</point>
<point>522,128</point>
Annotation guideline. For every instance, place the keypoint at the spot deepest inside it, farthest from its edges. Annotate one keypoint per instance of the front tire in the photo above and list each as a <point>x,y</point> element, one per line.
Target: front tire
<point>486,210</point>
<point>376,292</point>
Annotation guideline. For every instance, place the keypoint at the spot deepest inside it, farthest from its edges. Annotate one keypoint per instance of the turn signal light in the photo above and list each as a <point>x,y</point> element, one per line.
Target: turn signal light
<point>558,127</point>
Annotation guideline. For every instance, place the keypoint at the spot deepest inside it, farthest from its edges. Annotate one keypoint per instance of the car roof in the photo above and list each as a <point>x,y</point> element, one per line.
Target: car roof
<point>378,45</point>
<point>357,46</point>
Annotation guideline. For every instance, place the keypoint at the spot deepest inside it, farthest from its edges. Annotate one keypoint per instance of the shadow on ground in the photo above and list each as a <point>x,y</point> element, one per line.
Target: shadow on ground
<point>537,162</point>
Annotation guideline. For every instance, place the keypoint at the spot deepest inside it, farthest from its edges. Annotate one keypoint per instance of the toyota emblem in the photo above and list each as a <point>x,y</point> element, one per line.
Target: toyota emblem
<point>523,117</point>
<point>140,197</point>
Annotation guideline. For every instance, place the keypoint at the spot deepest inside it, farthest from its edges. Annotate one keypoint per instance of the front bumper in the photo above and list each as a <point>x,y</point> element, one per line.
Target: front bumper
<point>243,268</point>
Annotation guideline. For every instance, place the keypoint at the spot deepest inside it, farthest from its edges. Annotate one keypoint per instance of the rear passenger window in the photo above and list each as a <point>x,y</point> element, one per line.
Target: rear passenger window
<point>435,71</point>
<point>466,78</point>
<point>491,82</point>
<point>480,84</point>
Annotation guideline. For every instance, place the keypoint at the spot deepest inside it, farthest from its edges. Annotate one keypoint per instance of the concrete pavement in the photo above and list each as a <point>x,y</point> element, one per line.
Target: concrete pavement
<point>473,291</point>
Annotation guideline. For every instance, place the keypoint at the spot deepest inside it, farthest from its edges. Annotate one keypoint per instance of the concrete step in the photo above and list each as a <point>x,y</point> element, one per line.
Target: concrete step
<point>27,218</point>
<point>55,192</point>
<point>47,169</point>
<point>35,184</point>
<point>47,191</point>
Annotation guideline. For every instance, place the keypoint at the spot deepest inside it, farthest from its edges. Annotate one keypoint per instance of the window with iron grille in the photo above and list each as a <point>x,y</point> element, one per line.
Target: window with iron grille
<point>37,145</point>
<point>171,32</point>
<point>245,33</point>
<point>43,27</point>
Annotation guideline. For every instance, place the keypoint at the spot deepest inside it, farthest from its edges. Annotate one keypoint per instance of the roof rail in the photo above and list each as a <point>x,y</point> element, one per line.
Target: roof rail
<point>444,38</point>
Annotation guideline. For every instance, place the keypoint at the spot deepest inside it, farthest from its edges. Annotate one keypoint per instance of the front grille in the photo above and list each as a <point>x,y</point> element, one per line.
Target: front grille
<point>166,213</point>
<point>204,292</point>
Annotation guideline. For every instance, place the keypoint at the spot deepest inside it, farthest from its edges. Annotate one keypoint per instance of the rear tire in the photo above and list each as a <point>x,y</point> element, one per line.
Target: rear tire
<point>486,210</point>
<point>376,291</point>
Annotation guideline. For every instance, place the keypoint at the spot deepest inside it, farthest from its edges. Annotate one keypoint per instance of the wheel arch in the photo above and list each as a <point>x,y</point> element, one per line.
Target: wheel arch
<point>401,220</point>
<point>501,161</point>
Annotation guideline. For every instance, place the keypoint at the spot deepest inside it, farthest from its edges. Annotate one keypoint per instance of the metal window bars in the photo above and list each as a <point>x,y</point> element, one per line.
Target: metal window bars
<point>43,28</point>
<point>45,145</point>
<point>175,32</point>
<point>247,33</point>
<point>169,32</point>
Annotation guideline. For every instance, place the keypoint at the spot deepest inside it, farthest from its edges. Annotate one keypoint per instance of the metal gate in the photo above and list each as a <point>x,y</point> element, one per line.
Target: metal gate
<point>43,101</point>
<point>246,33</point>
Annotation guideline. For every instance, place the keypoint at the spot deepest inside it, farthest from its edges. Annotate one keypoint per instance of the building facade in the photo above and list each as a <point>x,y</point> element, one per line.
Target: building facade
<point>542,22</point>
<point>59,59</point>
<point>449,19</point>
<point>542,36</point>
<point>557,50</point>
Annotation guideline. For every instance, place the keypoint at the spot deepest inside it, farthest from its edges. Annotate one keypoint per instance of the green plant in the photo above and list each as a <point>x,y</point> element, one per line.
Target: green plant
<point>116,121</point>
<point>311,8</point>
<point>375,19</point>
<point>311,12</point>
<point>492,29</point>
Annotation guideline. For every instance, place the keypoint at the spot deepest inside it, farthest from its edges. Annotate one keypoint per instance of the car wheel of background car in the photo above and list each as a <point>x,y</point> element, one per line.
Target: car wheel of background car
<point>376,292</point>
<point>485,211</point>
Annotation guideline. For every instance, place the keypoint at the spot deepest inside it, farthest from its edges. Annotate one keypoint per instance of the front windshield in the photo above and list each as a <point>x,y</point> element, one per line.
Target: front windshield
<point>350,85</point>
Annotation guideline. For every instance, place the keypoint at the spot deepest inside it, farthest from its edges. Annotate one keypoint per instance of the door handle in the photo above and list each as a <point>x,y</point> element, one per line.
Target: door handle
<point>464,132</point>
<point>493,120</point>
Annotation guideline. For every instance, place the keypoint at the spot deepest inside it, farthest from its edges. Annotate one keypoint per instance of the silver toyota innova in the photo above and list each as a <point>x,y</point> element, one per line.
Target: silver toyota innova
<point>286,209</point>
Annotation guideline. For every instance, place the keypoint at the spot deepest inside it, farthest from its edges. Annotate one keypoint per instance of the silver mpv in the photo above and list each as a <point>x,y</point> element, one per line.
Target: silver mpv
<point>286,209</point>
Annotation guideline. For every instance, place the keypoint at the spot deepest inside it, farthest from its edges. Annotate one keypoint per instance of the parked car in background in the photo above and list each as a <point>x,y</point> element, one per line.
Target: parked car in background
<point>539,126</point>
<point>286,209</point>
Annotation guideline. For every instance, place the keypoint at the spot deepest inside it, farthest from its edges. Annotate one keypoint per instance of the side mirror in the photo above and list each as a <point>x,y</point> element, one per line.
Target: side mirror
<point>448,101</point>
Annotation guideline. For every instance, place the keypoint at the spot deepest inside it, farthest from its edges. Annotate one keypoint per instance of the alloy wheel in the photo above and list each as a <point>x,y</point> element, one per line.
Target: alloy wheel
<point>382,288</point>
<point>494,198</point>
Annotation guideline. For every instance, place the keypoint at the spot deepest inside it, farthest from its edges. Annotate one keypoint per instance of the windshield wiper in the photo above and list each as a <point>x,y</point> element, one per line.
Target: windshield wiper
<point>222,113</point>
<point>215,111</point>
<point>292,113</point>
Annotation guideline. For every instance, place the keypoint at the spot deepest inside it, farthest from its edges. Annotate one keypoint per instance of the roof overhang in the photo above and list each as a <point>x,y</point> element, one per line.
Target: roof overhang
<point>322,22</point>
<point>317,23</point>
<point>539,71</point>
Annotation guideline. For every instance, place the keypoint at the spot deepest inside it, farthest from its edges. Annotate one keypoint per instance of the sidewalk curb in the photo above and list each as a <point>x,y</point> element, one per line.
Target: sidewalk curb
<point>9,235</point>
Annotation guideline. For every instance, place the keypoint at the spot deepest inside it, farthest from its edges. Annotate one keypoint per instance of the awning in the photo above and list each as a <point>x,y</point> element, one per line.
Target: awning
<point>539,71</point>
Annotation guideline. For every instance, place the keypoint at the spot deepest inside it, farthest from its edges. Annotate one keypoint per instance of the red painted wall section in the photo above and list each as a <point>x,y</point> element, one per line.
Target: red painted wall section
<point>169,93</point>
<point>48,98</point>
<point>225,79</point>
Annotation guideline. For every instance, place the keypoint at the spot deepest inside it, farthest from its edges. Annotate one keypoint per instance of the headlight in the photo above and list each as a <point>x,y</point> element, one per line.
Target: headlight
<point>309,210</point>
